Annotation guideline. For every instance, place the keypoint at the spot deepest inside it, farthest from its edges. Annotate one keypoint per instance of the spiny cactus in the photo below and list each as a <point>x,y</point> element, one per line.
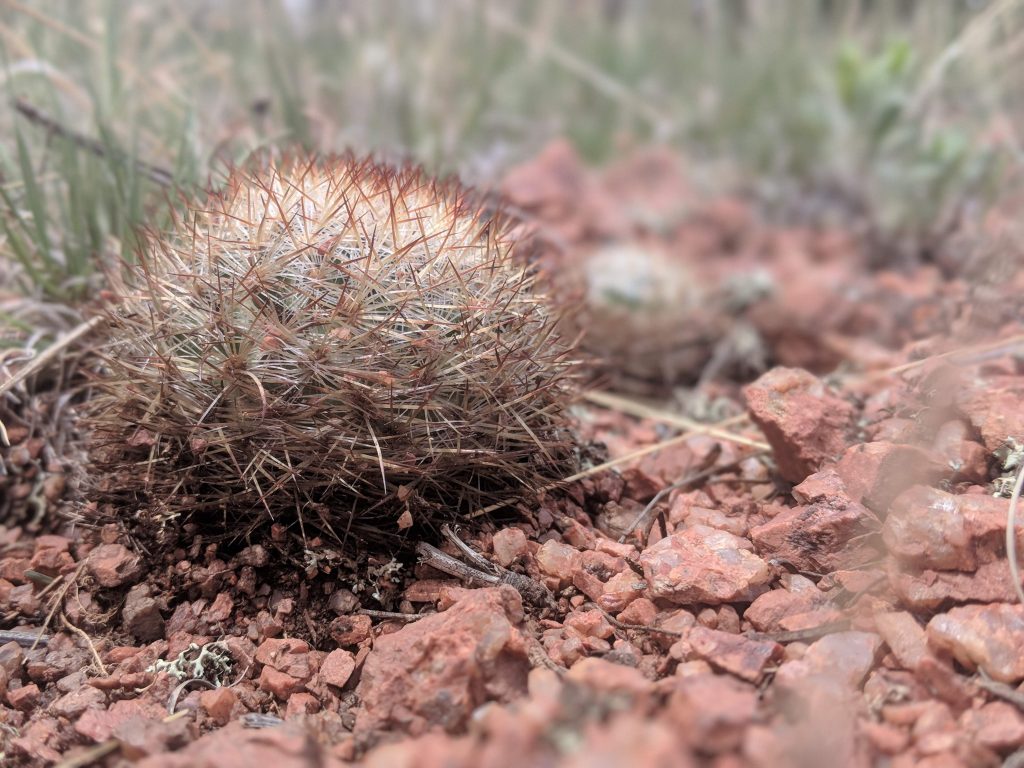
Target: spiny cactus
<point>332,342</point>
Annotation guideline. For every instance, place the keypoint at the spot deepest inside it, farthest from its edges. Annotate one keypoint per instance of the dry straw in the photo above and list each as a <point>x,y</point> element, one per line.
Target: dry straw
<point>331,341</point>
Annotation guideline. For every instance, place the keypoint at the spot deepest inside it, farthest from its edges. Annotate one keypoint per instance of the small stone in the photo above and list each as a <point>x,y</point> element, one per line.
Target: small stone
<point>558,561</point>
<point>337,668</point>
<point>928,528</point>
<point>351,630</point>
<point>141,615</point>
<point>607,677</point>
<point>904,636</point>
<point>847,656</point>
<point>876,473</point>
<point>74,703</point>
<point>113,565</point>
<point>509,544</point>
<point>301,704</point>
<point>988,637</point>
<point>620,590</point>
<point>803,421</point>
<point>24,698</point>
<point>820,538</point>
<point>289,655</point>
<point>343,602</point>
<point>218,704</point>
<point>712,711</point>
<point>438,670</point>
<point>769,609</point>
<point>930,590</point>
<point>281,684</point>
<point>641,612</point>
<point>736,654</point>
<point>996,725</point>
<point>100,724</point>
<point>704,565</point>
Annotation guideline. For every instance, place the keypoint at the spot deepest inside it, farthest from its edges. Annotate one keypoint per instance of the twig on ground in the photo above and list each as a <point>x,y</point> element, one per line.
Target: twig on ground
<point>803,635</point>
<point>703,429</point>
<point>1002,690</point>
<point>393,615</point>
<point>58,599</point>
<point>43,359</point>
<point>81,633</point>
<point>92,755</point>
<point>643,519</point>
<point>24,639</point>
<point>638,627</point>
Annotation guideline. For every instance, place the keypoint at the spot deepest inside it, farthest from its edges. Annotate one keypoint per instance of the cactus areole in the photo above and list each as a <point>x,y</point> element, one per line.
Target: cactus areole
<point>331,342</point>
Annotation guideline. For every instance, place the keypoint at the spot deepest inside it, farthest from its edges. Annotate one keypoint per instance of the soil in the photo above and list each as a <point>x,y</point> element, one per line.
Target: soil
<point>819,579</point>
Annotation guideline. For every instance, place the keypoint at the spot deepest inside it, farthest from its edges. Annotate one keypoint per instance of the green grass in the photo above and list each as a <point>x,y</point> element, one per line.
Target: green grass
<point>890,102</point>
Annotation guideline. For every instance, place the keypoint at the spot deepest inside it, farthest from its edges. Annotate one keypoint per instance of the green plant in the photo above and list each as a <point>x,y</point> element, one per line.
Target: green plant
<point>334,342</point>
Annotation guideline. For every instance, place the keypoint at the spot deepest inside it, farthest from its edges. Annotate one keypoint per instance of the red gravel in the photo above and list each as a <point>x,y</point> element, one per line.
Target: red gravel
<point>843,600</point>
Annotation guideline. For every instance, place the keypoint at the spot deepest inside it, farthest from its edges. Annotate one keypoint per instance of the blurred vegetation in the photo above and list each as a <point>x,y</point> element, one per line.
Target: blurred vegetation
<point>893,113</point>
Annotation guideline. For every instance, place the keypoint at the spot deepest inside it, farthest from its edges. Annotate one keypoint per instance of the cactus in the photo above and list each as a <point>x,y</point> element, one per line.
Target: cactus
<point>331,342</point>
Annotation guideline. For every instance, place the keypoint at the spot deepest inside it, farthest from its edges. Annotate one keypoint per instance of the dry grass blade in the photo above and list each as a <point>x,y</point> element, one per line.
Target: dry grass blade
<point>1011,534</point>
<point>634,408</point>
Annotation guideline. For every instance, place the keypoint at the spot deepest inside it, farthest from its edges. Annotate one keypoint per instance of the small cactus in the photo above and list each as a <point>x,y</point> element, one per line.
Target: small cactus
<point>332,342</point>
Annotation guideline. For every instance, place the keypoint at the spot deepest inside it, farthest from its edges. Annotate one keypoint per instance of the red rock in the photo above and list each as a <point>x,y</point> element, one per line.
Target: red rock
<point>281,684</point>
<point>288,655</point>
<point>887,739</point>
<point>988,637</point>
<point>824,487</point>
<point>100,724</point>
<point>876,473</point>
<point>904,636</point>
<point>846,656</point>
<point>74,703</point>
<point>301,704</point>
<point>35,742</point>
<point>928,528</point>
<point>52,560</point>
<point>641,612</point>
<point>508,545</point>
<point>558,561</point>
<point>704,565</point>
<point>141,615</point>
<point>337,668</point>
<point>113,565</point>
<point>967,458</point>
<point>736,654</point>
<point>218,704</point>
<point>437,670</point>
<point>819,538</point>
<point>622,740</point>
<point>604,676</point>
<point>997,725</point>
<point>930,590</point>
<point>351,630</point>
<point>712,711</point>
<point>220,610</point>
<point>621,590</point>
<point>590,624</point>
<point>235,746</point>
<point>804,423</point>
<point>817,617</point>
<point>996,409</point>
<point>24,698</point>
<point>769,609</point>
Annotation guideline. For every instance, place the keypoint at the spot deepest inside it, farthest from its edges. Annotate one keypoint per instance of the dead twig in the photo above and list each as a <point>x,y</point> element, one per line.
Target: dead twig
<point>643,519</point>
<point>637,627</point>
<point>394,615</point>
<point>803,635</point>
<point>88,640</point>
<point>24,639</point>
<point>1002,690</point>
